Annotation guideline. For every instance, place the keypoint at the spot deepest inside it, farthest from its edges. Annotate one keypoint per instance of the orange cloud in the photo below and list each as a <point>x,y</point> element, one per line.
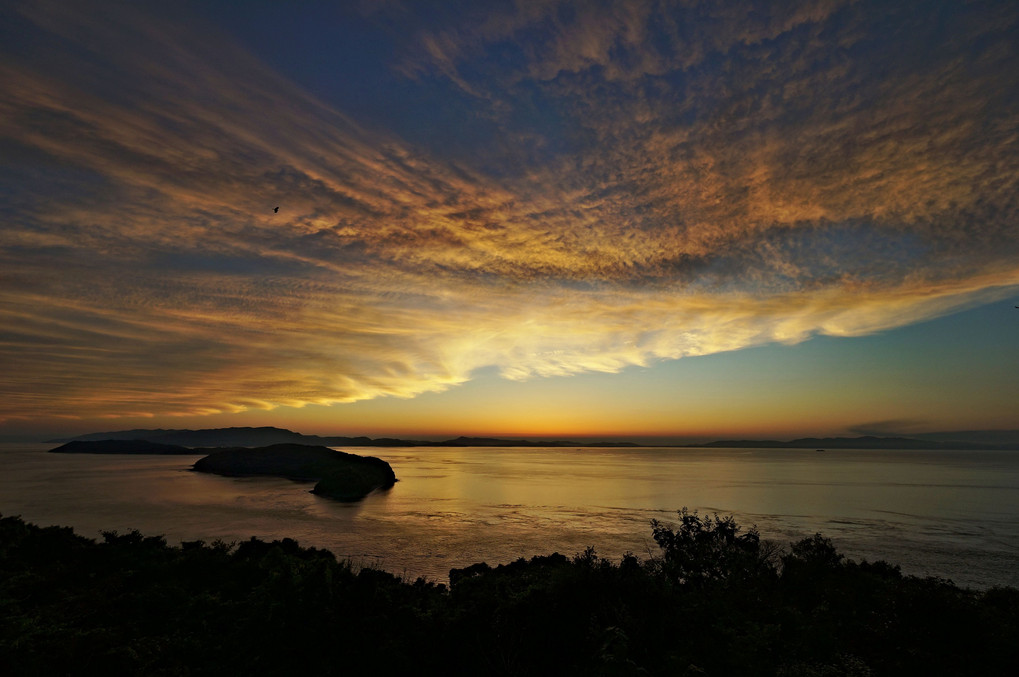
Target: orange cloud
<point>145,272</point>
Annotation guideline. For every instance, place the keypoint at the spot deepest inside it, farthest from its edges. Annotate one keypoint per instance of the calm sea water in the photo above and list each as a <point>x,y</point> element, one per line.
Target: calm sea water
<point>946,513</point>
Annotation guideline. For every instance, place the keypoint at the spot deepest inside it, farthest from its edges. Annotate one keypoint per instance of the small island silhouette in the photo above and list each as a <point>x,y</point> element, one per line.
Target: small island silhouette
<point>338,475</point>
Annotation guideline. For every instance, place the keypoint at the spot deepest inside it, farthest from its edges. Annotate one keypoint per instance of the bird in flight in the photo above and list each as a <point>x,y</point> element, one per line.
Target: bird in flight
<point>275,210</point>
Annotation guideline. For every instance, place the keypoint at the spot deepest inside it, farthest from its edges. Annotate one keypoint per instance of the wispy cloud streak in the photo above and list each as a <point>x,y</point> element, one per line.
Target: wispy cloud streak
<point>723,180</point>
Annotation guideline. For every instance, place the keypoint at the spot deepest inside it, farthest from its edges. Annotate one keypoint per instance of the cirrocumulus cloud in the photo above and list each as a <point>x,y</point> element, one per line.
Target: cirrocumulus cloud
<point>673,180</point>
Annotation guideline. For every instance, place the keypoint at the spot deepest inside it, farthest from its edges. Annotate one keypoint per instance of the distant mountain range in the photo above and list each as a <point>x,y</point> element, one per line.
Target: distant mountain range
<point>240,437</point>
<point>865,442</point>
<point>258,437</point>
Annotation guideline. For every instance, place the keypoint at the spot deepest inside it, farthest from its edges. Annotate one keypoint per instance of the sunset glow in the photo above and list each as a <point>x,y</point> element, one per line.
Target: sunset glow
<point>533,219</point>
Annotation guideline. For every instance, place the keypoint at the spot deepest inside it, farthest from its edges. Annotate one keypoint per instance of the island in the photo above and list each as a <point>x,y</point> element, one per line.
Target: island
<point>121,447</point>
<point>338,475</point>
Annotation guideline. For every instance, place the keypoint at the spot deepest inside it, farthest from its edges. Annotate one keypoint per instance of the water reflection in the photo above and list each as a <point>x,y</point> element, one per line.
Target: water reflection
<point>954,514</point>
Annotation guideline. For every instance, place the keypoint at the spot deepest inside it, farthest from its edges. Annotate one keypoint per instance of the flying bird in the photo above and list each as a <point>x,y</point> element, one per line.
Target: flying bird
<point>275,210</point>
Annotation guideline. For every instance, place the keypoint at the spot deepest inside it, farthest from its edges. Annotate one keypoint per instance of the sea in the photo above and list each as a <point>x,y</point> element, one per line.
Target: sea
<point>949,514</point>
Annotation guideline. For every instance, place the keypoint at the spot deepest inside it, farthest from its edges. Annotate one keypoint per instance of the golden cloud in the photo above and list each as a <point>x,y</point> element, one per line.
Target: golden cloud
<point>781,197</point>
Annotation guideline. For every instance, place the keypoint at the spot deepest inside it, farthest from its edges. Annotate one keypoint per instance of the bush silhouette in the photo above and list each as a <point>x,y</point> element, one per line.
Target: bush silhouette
<point>716,600</point>
<point>710,549</point>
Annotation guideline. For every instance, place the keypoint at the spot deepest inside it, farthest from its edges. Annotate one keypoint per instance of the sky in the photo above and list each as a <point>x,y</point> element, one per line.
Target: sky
<point>635,219</point>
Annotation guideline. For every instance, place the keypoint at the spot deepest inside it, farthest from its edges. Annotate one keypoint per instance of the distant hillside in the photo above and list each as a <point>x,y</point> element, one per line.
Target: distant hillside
<point>265,436</point>
<point>136,434</point>
<point>239,437</point>
<point>997,438</point>
<point>865,442</point>
<point>133,446</point>
<point>497,442</point>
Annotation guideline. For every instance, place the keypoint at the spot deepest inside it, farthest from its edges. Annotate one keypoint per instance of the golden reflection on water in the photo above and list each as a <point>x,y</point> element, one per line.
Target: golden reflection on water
<point>946,513</point>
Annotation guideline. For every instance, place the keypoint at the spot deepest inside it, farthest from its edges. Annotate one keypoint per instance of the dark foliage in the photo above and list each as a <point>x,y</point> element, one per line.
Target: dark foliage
<point>715,601</point>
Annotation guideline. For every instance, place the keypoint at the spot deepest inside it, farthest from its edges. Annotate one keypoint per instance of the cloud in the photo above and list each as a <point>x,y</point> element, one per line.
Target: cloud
<point>890,427</point>
<point>724,179</point>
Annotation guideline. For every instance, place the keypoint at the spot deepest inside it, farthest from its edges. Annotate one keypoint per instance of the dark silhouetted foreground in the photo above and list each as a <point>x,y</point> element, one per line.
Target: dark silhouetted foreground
<point>714,601</point>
